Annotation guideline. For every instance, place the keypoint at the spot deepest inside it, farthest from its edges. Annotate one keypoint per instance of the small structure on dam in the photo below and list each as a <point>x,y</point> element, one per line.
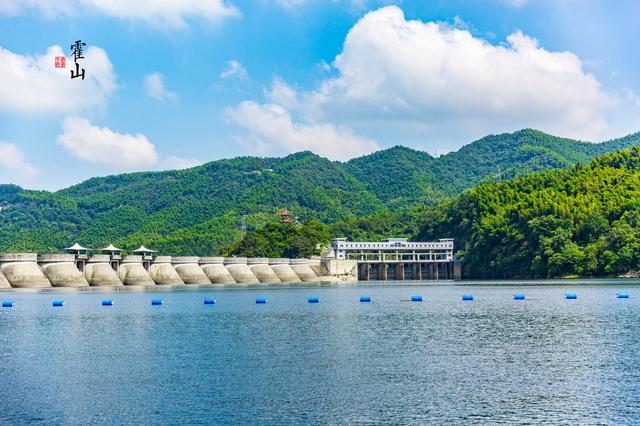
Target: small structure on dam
<point>146,256</point>
<point>400,259</point>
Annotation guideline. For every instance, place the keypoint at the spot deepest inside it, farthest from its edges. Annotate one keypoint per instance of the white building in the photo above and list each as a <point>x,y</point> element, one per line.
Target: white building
<point>392,250</point>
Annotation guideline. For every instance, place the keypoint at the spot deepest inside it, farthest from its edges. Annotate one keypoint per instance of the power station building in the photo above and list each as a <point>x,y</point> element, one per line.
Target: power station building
<point>400,259</point>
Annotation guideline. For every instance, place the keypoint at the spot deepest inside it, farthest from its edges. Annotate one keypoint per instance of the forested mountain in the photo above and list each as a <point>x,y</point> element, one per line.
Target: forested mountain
<point>198,210</point>
<point>583,220</point>
<point>401,176</point>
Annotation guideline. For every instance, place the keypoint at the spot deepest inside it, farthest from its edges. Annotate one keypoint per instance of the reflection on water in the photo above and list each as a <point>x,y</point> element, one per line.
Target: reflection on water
<point>545,359</point>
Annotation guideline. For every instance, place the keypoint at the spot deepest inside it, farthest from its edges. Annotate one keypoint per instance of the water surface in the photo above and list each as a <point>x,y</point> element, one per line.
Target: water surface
<point>493,360</point>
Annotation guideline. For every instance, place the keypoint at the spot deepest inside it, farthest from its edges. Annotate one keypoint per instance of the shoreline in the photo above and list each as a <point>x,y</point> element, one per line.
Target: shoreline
<point>558,282</point>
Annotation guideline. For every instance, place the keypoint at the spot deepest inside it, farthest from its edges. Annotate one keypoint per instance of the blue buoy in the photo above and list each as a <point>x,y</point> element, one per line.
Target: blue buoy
<point>570,296</point>
<point>467,297</point>
<point>416,298</point>
<point>518,296</point>
<point>261,300</point>
<point>156,302</point>
<point>622,295</point>
<point>8,304</point>
<point>209,301</point>
<point>313,300</point>
<point>57,303</point>
<point>107,302</point>
<point>365,299</point>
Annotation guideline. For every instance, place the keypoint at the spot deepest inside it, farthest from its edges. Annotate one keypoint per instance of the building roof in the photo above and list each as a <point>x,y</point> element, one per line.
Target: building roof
<point>76,247</point>
<point>110,247</point>
<point>143,249</point>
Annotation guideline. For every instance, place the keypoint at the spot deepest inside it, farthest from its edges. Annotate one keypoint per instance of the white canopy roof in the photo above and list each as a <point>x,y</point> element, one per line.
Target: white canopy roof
<point>110,247</point>
<point>76,247</point>
<point>143,249</point>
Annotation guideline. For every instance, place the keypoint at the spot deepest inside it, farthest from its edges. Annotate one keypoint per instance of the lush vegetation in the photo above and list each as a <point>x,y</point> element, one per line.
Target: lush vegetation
<point>199,210</point>
<point>282,240</point>
<point>584,220</point>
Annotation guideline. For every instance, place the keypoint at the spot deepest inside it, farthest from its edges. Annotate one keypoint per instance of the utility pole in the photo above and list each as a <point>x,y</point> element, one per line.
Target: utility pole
<point>243,223</point>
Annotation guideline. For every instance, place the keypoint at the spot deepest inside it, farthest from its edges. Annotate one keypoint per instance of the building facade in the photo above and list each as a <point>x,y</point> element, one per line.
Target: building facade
<point>398,258</point>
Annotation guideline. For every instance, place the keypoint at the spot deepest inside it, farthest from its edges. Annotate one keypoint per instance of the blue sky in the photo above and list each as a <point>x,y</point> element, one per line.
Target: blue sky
<point>176,83</point>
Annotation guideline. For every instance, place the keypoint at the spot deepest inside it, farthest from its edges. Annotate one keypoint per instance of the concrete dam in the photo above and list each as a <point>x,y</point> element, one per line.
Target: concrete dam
<point>29,270</point>
<point>390,259</point>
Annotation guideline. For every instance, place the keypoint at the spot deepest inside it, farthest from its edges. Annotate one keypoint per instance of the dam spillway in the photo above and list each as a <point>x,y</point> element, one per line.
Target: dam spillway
<point>99,271</point>
<point>303,270</point>
<point>22,270</point>
<point>132,271</point>
<point>4,282</point>
<point>240,271</point>
<point>214,269</point>
<point>189,270</point>
<point>261,269</point>
<point>62,271</point>
<point>162,271</point>
<point>280,267</point>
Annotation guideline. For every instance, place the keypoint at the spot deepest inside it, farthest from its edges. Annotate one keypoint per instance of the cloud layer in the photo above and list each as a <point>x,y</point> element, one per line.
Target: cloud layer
<point>157,12</point>
<point>12,159</point>
<point>121,151</point>
<point>432,75</point>
<point>432,83</point>
<point>32,84</point>
<point>272,129</point>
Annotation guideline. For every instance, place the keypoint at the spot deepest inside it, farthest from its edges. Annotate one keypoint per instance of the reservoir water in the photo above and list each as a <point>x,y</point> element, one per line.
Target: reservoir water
<point>544,359</point>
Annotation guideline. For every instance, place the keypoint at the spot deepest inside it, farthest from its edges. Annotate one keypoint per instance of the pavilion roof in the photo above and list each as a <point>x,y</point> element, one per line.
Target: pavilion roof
<point>143,249</point>
<point>76,247</point>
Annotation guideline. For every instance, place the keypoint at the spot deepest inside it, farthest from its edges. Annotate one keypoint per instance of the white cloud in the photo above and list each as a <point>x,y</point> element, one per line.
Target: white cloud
<point>410,74</point>
<point>32,83</point>
<point>173,13</point>
<point>271,128</point>
<point>12,159</point>
<point>234,70</point>
<point>154,86</point>
<point>120,151</point>
<point>282,94</point>
<point>95,144</point>
<point>43,7</point>
<point>173,162</point>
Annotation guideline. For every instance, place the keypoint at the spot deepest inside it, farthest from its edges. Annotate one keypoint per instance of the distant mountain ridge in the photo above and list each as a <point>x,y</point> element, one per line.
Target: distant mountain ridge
<point>195,211</point>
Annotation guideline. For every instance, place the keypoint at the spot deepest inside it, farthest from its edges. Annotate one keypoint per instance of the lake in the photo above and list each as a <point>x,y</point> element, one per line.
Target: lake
<point>391,361</point>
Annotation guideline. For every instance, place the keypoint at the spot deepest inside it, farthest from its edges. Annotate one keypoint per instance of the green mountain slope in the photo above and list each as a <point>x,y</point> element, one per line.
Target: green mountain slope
<point>397,175</point>
<point>198,210</point>
<point>583,220</point>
